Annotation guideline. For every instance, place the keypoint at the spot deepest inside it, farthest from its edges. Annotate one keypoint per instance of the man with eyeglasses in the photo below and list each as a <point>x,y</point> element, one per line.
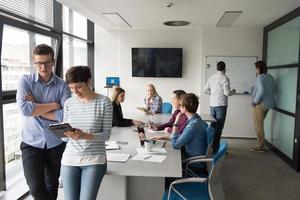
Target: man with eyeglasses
<point>40,98</point>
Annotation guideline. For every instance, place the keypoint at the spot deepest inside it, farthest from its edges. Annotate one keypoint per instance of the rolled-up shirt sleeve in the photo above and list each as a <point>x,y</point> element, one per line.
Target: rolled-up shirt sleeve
<point>226,86</point>
<point>26,107</point>
<point>180,140</point>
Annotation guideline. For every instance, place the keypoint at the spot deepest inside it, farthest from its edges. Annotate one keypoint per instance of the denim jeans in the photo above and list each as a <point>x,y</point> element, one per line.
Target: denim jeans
<point>82,182</point>
<point>42,169</point>
<point>219,113</point>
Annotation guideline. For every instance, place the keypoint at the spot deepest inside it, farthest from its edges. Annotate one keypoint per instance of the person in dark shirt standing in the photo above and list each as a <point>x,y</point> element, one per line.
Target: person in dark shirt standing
<point>118,97</point>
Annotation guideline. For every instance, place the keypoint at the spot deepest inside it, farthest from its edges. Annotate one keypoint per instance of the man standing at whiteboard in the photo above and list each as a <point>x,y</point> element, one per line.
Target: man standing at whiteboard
<point>218,86</point>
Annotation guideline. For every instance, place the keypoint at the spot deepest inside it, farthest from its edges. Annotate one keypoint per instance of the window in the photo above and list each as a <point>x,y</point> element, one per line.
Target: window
<point>74,23</point>
<point>12,140</point>
<point>75,46</point>
<point>75,52</point>
<point>17,55</point>
<point>38,10</point>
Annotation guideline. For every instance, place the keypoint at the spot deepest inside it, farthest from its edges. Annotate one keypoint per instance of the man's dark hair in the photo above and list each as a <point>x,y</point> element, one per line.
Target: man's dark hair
<point>221,66</point>
<point>261,66</point>
<point>43,49</point>
<point>78,74</point>
<point>190,102</point>
<point>179,93</point>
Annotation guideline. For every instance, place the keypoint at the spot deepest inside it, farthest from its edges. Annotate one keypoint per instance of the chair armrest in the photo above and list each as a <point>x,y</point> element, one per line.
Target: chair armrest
<point>193,158</point>
<point>199,160</point>
<point>189,180</point>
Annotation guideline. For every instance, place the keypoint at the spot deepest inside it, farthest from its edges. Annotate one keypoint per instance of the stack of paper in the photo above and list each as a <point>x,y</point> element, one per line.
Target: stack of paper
<point>117,157</point>
<point>111,145</point>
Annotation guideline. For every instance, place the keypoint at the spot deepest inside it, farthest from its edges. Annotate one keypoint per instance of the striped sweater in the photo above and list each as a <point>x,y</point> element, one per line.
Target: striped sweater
<point>93,117</point>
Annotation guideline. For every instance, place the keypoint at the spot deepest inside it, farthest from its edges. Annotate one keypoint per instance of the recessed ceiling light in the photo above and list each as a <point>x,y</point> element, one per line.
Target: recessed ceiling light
<point>228,18</point>
<point>117,20</point>
<point>176,23</point>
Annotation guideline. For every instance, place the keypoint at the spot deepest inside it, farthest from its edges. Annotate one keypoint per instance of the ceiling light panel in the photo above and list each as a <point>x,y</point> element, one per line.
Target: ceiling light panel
<point>117,20</point>
<point>228,18</point>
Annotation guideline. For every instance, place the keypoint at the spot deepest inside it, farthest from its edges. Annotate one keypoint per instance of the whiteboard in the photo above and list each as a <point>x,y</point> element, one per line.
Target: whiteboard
<point>239,69</point>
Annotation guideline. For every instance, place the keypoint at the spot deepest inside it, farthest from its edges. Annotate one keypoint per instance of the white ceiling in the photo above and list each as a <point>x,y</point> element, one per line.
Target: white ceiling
<point>150,14</point>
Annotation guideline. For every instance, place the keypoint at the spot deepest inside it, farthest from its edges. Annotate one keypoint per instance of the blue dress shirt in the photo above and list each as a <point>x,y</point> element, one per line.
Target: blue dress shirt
<point>264,90</point>
<point>35,129</point>
<point>193,137</point>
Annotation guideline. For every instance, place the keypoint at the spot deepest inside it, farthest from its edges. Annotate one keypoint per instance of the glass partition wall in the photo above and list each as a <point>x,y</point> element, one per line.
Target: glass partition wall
<point>282,53</point>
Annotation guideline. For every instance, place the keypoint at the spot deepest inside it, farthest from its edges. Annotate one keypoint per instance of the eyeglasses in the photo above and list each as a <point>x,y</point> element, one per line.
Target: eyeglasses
<point>46,64</point>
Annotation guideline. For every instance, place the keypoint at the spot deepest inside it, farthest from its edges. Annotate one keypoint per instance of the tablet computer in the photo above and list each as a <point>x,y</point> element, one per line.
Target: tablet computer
<point>60,128</point>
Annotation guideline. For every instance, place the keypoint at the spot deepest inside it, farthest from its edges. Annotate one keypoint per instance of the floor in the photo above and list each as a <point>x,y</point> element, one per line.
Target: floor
<point>257,176</point>
<point>248,175</point>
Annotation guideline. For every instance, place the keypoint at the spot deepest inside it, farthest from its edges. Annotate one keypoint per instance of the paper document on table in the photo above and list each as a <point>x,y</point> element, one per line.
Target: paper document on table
<point>111,145</point>
<point>117,157</point>
<point>153,150</point>
<point>149,158</point>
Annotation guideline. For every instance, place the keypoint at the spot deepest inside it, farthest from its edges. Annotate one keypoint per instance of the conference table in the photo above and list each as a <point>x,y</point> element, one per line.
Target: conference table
<point>135,179</point>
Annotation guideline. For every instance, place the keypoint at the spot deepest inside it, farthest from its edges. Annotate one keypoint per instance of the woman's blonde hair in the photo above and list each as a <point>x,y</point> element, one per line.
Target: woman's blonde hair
<point>116,92</point>
<point>153,88</point>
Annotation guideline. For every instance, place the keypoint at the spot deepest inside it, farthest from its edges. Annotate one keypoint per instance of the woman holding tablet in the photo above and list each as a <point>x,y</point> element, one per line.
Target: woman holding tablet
<point>90,115</point>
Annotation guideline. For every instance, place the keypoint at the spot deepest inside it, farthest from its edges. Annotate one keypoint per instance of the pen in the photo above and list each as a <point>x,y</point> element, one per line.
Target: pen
<point>147,157</point>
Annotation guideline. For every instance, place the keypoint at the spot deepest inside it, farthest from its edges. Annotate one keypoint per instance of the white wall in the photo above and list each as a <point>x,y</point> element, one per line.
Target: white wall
<point>233,42</point>
<point>113,58</point>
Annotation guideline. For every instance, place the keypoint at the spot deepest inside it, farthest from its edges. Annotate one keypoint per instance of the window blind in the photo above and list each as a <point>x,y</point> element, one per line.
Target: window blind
<point>38,10</point>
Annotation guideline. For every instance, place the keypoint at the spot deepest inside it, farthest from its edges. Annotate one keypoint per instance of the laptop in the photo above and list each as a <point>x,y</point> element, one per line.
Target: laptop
<point>112,81</point>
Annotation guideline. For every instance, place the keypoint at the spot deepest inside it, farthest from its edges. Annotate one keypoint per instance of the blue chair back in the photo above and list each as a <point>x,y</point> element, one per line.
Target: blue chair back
<point>210,132</point>
<point>166,108</point>
<point>221,152</point>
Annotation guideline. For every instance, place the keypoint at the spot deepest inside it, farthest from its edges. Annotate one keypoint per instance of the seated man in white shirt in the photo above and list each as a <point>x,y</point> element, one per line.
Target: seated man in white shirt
<point>218,86</point>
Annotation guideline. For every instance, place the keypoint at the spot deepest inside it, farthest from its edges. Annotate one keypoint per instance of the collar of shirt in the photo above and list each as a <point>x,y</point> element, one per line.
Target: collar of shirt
<point>37,78</point>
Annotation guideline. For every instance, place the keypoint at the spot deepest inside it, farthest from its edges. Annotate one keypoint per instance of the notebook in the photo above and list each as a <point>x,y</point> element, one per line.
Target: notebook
<point>117,157</point>
<point>111,145</point>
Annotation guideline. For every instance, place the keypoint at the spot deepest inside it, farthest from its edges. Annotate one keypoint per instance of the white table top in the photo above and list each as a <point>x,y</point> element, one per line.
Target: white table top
<point>170,167</point>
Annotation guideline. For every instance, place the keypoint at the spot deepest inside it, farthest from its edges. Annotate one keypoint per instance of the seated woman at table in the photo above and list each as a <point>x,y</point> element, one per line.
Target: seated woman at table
<point>168,127</point>
<point>152,101</point>
<point>193,137</point>
<point>84,159</point>
<point>118,97</point>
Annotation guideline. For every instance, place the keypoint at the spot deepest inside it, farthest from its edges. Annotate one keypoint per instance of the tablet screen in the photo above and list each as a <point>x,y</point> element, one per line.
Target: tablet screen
<point>59,129</point>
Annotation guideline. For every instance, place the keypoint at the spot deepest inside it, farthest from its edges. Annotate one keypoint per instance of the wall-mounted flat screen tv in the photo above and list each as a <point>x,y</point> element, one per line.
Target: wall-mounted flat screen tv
<point>156,62</point>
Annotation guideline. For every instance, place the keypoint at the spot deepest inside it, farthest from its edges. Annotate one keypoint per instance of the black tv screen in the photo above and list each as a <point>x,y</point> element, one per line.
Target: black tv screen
<point>156,62</point>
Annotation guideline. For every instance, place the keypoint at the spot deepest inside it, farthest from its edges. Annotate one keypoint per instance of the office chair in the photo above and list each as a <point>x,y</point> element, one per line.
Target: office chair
<point>210,138</point>
<point>166,108</point>
<point>196,188</point>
